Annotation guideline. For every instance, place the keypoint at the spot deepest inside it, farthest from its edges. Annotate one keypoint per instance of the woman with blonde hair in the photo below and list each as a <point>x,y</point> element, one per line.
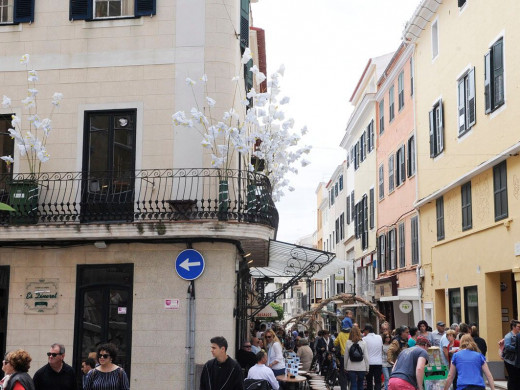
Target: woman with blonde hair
<point>275,360</point>
<point>468,363</point>
<point>19,362</point>
<point>356,359</point>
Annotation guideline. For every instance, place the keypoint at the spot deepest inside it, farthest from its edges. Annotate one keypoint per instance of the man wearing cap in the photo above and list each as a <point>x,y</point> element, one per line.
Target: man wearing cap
<point>437,334</point>
<point>341,342</point>
<point>374,344</point>
<point>408,372</point>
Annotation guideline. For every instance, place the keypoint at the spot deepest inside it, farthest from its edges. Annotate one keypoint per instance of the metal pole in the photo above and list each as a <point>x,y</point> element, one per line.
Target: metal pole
<point>190,338</point>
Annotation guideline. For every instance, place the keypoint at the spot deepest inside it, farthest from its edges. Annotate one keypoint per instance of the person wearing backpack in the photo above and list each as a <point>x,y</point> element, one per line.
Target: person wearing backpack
<point>356,359</point>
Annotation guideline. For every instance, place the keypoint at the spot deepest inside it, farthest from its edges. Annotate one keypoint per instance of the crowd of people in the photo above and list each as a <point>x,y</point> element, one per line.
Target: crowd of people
<point>99,372</point>
<point>365,359</point>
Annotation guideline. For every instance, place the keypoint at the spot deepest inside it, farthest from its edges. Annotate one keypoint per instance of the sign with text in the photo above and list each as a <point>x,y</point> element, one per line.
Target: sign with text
<point>171,304</point>
<point>41,296</point>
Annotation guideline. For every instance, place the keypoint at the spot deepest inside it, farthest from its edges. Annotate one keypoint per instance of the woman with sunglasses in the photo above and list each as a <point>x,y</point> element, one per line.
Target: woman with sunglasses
<point>387,367</point>
<point>107,376</point>
<point>275,359</point>
<point>16,364</point>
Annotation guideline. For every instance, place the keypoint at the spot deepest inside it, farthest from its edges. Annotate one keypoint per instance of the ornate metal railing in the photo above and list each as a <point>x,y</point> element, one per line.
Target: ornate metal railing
<point>144,195</point>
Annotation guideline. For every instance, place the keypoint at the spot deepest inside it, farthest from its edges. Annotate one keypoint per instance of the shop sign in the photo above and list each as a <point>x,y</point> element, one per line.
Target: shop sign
<point>267,312</point>
<point>405,307</point>
<point>41,296</point>
<point>171,304</point>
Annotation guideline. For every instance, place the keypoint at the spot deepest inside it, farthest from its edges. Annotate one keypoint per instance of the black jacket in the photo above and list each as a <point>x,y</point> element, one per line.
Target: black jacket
<point>222,376</point>
<point>22,377</point>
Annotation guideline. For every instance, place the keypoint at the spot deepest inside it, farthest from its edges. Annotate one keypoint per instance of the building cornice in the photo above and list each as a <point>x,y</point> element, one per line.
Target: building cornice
<point>390,74</point>
<point>358,113</point>
<point>511,151</point>
<point>422,15</point>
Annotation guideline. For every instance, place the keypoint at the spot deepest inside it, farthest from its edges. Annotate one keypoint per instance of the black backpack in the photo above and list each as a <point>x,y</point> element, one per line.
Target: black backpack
<point>355,353</point>
<point>257,384</point>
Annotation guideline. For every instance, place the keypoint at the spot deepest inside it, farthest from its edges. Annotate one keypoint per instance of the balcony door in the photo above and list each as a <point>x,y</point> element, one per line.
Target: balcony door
<point>108,166</point>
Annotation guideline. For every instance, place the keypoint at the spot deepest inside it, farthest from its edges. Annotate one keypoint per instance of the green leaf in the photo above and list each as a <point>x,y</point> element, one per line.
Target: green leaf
<point>6,207</point>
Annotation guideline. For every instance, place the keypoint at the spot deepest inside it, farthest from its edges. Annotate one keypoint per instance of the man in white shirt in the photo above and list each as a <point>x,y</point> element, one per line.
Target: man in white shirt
<point>260,371</point>
<point>374,344</point>
<point>437,334</point>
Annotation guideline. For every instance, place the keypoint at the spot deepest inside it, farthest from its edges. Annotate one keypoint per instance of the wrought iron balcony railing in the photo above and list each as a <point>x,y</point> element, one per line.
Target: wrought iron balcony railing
<point>144,195</point>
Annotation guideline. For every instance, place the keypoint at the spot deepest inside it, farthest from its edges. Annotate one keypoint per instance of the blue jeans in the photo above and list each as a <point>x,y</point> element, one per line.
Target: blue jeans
<point>386,372</point>
<point>356,379</point>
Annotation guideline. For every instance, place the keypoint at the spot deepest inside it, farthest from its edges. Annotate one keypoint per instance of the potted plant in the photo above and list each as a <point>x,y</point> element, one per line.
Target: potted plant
<point>31,145</point>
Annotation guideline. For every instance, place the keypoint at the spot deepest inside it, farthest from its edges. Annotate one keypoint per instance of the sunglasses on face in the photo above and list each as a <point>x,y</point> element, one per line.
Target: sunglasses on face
<point>53,354</point>
<point>268,337</point>
<point>103,355</point>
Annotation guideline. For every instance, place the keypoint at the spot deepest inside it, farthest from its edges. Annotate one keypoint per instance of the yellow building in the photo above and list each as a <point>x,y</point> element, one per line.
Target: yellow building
<point>468,165</point>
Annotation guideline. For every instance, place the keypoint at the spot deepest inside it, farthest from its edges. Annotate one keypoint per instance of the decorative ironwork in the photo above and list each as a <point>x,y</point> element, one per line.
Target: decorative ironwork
<point>143,195</point>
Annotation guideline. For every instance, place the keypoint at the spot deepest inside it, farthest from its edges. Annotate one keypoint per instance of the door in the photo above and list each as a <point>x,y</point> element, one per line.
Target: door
<point>108,166</point>
<point>104,311</point>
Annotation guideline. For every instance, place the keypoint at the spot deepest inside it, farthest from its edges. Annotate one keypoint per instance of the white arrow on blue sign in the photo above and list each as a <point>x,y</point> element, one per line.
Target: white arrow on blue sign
<point>189,264</point>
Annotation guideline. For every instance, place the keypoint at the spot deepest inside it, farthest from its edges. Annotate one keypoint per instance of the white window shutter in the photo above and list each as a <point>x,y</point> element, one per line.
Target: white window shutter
<point>462,106</point>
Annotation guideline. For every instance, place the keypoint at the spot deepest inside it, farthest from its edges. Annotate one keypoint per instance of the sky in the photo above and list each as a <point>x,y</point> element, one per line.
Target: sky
<point>325,46</point>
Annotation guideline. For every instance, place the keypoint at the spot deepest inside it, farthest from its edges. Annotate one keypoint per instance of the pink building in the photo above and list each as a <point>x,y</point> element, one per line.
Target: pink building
<point>396,285</point>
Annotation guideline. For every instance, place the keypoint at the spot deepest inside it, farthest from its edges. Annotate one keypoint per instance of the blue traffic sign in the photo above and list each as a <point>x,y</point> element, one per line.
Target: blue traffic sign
<point>189,264</point>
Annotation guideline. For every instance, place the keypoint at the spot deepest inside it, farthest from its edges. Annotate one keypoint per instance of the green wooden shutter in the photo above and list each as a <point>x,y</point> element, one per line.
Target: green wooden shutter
<point>432,133</point>
<point>145,7</point>
<point>498,74</point>
<point>487,81</point>
<point>80,10</point>
<point>440,130</point>
<point>244,24</point>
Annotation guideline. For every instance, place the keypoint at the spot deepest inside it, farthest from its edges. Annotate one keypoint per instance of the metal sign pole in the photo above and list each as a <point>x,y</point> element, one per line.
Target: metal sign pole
<point>190,338</point>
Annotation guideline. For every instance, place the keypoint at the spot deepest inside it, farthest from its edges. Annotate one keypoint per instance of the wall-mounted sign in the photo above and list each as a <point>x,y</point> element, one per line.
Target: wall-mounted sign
<point>41,296</point>
<point>171,304</point>
<point>405,307</point>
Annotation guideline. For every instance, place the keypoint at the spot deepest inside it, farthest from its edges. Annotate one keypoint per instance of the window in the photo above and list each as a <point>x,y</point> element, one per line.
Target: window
<point>381,181</point>
<point>381,116</point>
<point>361,221</point>
<point>342,226</point>
<point>439,204</point>
<point>414,227</point>
<point>435,39</point>
<point>494,76</point>
<point>6,149</point>
<point>391,103</point>
<point>410,161</point>
<point>402,260</point>
<point>391,173</point>
<point>341,183</point>
<point>411,76</point>
<point>100,291</point>
<point>370,136</point>
<point>109,160</point>
<point>500,190</point>
<point>471,304</point>
<point>352,205</point>
<point>317,294</point>
<point>337,230</point>
<point>400,89</point>
<point>392,249</point>
<point>461,3</point>
<point>16,11</point>
<point>356,156</point>
<point>455,309</point>
<point>244,27</point>
<point>103,9</point>
<point>400,169</point>
<point>348,210</point>
<point>465,195</point>
<point>336,190</point>
<point>436,130</point>
<point>332,197</point>
<point>466,93</point>
<point>362,147</point>
<point>381,252</point>
<point>372,211</point>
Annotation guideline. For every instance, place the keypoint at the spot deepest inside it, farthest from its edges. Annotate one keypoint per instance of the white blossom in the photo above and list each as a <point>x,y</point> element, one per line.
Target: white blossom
<point>210,101</point>
<point>24,60</point>
<point>33,76</point>
<point>57,97</point>
<point>246,56</point>
<point>8,159</point>
<point>190,81</point>
<point>6,102</point>
<point>285,100</point>
<point>204,78</point>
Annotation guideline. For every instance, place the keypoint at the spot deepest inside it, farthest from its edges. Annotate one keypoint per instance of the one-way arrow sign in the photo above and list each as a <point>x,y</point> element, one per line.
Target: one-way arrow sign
<point>189,264</point>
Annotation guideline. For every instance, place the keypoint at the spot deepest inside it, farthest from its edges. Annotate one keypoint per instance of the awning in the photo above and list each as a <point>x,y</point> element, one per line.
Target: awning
<point>289,260</point>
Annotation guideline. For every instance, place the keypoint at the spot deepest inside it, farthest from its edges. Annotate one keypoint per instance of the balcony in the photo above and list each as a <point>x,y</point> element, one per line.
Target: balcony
<point>160,195</point>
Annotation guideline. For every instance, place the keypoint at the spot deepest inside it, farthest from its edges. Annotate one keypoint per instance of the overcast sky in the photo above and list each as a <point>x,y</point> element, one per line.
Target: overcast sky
<point>325,46</point>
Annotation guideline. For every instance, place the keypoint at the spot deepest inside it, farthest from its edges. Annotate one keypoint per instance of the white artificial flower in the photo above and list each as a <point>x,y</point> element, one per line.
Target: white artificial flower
<point>245,102</point>
<point>56,98</point>
<point>6,102</point>
<point>260,77</point>
<point>46,126</point>
<point>22,149</point>
<point>254,69</point>
<point>211,102</point>
<point>190,81</point>
<point>285,100</point>
<point>216,162</point>
<point>304,130</point>
<point>236,78</point>
<point>251,94</point>
<point>204,78</point>
<point>288,124</point>
<point>206,141</point>
<point>29,102</point>
<point>290,188</point>
<point>24,60</point>
<point>32,92</point>
<point>8,159</point>
<point>281,70</point>
<point>15,121</point>
<point>42,155</point>
<point>305,162</point>
<point>179,118</point>
<point>246,56</point>
<point>33,76</point>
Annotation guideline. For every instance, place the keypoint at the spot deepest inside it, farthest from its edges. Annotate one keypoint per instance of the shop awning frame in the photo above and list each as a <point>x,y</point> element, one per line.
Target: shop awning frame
<point>286,260</point>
